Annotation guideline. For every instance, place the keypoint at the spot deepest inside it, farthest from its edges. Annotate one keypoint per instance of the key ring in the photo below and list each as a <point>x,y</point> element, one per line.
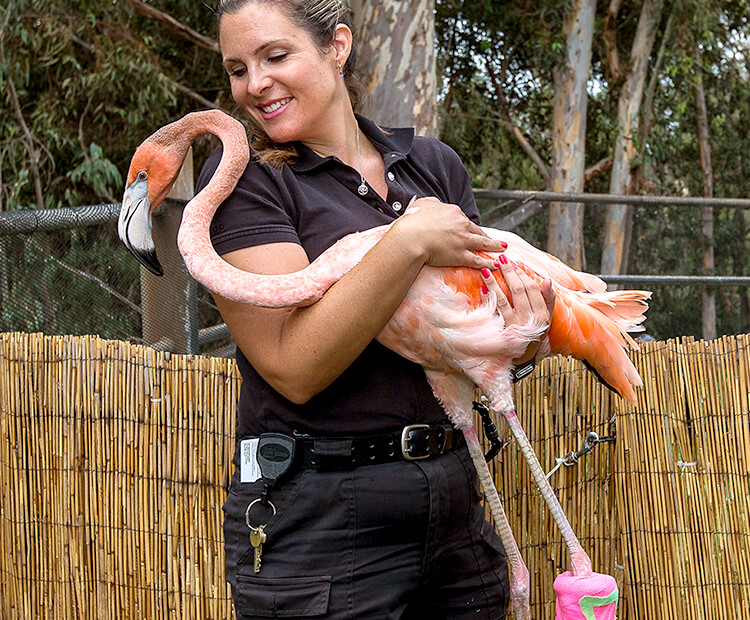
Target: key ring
<point>247,513</point>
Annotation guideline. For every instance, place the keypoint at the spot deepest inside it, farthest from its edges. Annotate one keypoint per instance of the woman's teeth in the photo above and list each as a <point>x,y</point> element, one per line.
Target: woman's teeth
<point>275,106</point>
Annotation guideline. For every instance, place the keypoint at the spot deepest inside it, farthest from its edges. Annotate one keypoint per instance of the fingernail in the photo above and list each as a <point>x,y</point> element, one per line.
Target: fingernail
<point>515,266</point>
<point>497,264</point>
<point>485,273</point>
<point>484,290</point>
<point>505,245</point>
<point>503,259</point>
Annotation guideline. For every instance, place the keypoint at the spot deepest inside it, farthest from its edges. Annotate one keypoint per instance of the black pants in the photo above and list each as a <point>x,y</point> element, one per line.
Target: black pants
<point>398,540</point>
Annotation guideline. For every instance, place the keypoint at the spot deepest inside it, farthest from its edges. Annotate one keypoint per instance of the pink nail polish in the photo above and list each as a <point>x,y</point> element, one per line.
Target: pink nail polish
<point>505,245</point>
<point>484,290</point>
<point>486,273</point>
<point>503,259</point>
<point>497,264</point>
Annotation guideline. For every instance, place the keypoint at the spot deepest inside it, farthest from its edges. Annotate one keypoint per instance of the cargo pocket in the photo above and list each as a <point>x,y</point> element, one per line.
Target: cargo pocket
<point>289,597</point>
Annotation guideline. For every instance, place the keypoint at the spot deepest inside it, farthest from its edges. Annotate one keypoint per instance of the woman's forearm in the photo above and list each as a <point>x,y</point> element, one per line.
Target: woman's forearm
<point>300,351</point>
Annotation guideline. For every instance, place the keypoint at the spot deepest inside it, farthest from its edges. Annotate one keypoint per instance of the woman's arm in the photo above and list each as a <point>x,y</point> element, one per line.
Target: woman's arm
<point>300,351</point>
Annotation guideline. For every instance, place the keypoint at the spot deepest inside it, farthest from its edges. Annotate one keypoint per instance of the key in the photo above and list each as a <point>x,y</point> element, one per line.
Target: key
<point>257,538</point>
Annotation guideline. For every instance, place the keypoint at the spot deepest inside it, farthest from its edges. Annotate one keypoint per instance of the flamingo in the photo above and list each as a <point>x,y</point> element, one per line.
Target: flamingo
<point>444,324</point>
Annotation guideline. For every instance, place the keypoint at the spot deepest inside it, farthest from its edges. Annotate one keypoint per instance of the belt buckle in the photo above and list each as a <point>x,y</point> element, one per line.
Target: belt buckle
<point>406,449</point>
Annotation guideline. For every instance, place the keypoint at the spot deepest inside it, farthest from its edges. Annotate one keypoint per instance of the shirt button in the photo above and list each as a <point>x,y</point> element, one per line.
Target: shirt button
<point>397,206</point>
<point>391,176</point>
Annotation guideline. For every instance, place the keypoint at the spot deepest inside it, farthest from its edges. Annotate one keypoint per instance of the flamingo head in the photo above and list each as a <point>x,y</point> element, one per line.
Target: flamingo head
<point>153,171</point>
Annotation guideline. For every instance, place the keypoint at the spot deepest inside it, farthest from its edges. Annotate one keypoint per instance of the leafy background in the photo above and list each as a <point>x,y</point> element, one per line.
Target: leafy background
<point>83,83</point>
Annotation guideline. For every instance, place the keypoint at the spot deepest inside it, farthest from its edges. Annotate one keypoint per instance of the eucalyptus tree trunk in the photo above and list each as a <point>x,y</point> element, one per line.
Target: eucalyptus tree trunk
<point>396,56</point>
<point>619,220</point>
<point>708,316</point>
<point>565,238</point>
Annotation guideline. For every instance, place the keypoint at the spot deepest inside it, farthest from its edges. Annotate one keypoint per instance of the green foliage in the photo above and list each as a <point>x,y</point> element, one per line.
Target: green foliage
<point>501,60</point>
<point>89,80</point>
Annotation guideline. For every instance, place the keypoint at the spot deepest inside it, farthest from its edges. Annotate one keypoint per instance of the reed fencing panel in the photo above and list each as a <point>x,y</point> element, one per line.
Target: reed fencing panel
<point>114,461</point>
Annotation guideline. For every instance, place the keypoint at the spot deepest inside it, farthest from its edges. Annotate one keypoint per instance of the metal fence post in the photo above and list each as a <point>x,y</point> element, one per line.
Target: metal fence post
<point>170,302</point>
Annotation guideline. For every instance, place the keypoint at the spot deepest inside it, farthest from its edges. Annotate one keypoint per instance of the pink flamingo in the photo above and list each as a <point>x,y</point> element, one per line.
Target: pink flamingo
<point>443,324</point>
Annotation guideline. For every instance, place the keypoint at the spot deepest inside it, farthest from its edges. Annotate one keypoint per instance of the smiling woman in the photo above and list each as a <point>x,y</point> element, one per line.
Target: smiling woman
<point>348,524</point>
<point>281,58</point>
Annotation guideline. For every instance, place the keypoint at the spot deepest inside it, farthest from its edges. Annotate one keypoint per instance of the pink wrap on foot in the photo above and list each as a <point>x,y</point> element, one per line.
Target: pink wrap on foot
<point>586,598</point>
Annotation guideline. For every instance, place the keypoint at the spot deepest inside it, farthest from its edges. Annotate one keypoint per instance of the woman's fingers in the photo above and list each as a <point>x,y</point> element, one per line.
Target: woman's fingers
<point>446,237</point>
<point>549,296</point>
<point>520,286</point>
<point>502,305</point>
<point>528,300</point>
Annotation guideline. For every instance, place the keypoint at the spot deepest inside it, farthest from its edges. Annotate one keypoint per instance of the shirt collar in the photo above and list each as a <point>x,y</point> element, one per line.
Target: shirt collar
<point>393,144</point>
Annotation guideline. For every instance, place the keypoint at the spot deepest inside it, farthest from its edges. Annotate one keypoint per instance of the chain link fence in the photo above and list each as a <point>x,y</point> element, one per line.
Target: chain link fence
<point>65,271</point>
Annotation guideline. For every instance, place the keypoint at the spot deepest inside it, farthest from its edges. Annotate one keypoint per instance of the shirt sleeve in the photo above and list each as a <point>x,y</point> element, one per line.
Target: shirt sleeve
<point>255,213</point>
<point>458,183</point>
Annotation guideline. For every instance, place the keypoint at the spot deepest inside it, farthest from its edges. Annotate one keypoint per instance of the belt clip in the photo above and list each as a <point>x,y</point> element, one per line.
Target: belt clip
<point>407,449</point>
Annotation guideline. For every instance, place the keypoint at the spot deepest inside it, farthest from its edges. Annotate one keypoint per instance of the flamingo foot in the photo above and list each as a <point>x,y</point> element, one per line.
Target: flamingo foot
<point>580,563</point>
<point>593,597</point>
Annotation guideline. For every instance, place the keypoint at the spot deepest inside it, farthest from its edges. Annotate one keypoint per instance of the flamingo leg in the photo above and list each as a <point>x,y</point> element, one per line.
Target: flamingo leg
<point>579,559</point>
<point>455,393</point>
<point>494,382</point>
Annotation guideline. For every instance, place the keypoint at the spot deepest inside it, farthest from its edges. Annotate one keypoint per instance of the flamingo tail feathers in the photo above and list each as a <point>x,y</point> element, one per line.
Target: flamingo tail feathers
<point>592,329</point>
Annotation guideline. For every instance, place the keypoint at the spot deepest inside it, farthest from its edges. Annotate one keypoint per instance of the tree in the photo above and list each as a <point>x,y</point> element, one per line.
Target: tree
<point>397,61</point>
<point>618,225</point>
<point>565,239</point>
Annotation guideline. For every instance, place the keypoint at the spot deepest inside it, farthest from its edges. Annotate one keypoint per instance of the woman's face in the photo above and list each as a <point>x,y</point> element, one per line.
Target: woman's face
<point>278,74</point>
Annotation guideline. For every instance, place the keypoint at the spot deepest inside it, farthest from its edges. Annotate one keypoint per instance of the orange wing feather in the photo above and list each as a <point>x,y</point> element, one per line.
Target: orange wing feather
<point>589,327</point>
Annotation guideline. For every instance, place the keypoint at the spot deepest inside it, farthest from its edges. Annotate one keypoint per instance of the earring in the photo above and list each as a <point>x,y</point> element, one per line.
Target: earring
<point>341,73</point>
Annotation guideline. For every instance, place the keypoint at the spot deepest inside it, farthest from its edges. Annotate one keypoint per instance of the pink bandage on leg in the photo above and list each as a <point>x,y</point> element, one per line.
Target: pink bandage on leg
<point>586,598</point>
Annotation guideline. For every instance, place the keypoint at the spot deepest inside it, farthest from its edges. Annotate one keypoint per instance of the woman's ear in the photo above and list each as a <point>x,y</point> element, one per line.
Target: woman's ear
<point>342,44</point>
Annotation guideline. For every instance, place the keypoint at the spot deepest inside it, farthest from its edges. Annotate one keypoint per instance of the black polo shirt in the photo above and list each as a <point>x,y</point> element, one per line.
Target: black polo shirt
<point>314,202</point>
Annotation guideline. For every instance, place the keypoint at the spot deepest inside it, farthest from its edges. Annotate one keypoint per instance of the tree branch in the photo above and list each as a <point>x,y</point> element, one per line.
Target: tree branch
<point>192,94</point>
<point>175,27</point>
<point>598,168</point>
<point>528,209</point>
<point>101,283</point>
<point>648,104</point>
<point>514,130</point>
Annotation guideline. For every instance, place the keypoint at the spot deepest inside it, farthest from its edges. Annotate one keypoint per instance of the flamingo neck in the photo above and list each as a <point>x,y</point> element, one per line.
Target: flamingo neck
<point>207,267</point>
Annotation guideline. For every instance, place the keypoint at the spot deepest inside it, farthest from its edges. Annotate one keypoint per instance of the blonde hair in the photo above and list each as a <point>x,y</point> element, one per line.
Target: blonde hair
<point>319,19</point>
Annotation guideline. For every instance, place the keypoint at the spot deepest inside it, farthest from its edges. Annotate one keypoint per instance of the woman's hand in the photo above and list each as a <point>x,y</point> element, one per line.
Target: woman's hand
<point>444,237</point>
<point>530,300</point>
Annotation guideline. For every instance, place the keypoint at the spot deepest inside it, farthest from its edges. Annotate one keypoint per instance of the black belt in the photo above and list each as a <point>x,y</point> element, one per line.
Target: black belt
<point>279,454</point>
<point>412,443</point>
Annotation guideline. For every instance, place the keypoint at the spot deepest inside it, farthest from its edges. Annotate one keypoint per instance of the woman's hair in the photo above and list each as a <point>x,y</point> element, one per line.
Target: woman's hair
<point>319,19</point>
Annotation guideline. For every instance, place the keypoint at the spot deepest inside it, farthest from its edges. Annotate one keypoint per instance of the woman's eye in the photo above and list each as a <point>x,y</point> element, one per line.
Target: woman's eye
<point>237,72</point>
<point>277,57</point>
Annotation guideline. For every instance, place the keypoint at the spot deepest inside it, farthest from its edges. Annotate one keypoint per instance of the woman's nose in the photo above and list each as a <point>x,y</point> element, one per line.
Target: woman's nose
<point>258,83</point>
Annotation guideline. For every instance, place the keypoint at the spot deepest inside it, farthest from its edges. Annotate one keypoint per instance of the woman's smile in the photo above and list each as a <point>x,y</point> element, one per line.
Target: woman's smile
<point>277,73</point>
<point>274,108</point>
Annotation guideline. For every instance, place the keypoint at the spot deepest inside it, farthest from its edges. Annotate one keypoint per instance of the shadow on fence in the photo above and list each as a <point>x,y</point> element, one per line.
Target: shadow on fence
<point>114,459</point>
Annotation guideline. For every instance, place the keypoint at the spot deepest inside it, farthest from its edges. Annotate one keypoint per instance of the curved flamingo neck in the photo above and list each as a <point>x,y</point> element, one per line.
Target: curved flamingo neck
<point>207,267</point>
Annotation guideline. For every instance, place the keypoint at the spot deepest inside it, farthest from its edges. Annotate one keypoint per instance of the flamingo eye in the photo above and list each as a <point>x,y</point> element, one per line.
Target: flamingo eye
<point>142,175</point>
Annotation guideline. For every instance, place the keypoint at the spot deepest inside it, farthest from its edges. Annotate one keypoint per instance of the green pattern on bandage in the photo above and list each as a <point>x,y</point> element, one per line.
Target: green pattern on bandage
<point>587,603</point>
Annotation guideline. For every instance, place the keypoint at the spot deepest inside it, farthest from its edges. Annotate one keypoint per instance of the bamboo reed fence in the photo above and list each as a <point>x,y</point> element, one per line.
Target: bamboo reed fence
<point>114,461</point>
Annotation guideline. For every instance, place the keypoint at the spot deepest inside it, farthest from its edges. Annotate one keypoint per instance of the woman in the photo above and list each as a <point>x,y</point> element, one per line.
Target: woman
<point>352,526</point>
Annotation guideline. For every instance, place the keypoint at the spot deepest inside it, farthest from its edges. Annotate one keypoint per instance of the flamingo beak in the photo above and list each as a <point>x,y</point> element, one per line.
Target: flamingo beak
<point>134,224</point>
